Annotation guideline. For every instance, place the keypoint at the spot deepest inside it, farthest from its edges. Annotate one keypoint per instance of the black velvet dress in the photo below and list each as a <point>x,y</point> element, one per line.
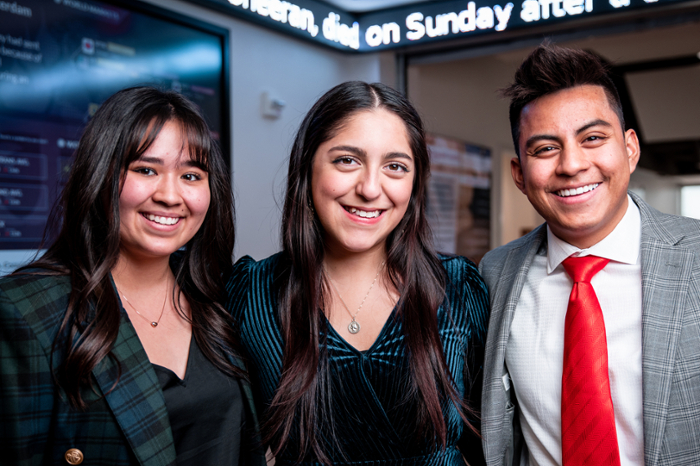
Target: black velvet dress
<point>373,423</point>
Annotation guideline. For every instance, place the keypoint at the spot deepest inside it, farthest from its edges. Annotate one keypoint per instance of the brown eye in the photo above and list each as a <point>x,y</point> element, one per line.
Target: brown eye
<point>395,167</point>
<point>191,177</point>
<point>344,161</point>
<point>144,171</point>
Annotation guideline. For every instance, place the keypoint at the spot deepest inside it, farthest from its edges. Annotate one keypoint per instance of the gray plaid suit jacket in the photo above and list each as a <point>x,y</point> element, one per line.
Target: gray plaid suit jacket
<point>128,426</point>
<point>670,256</point>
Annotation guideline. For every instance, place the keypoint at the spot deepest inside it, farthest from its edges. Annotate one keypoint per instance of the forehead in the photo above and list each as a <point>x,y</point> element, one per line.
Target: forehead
<point>172,143</point>
<point>374,123</point>
<point>566,110</point>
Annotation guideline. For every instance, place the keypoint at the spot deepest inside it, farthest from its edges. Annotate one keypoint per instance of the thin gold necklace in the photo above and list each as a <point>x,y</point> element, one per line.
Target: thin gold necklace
<point>154,323</point>
<point>354,326</point>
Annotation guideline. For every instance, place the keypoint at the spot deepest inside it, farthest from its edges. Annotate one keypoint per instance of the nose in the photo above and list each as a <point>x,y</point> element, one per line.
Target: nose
<point>167,191</point>
<point>369,185</point>
<point>572,160</point>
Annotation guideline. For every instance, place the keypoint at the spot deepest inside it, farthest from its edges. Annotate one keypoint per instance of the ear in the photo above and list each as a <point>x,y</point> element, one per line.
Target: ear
<point>516,170</point>
<point>632,146</point>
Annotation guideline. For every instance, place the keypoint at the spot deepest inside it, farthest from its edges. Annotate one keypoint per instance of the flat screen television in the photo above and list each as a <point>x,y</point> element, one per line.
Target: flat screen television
<point>59,60</point>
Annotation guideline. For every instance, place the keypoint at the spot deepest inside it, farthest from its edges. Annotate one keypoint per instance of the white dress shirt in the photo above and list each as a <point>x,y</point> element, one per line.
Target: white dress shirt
<point>535,350</point>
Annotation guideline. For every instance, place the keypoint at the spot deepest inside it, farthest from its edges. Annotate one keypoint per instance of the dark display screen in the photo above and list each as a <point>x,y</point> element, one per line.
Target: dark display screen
<point>59,60</point>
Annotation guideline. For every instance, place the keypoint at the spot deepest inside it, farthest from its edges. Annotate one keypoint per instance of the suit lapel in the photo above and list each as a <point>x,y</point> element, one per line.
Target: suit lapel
<point>504,292</point>
<point>514,274</point>
<point>137,401</point>
<point>666,273</point>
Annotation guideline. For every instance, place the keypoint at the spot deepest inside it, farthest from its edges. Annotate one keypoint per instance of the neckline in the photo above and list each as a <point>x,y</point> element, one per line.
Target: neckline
<point>190,356</point>
<point>375,343</point>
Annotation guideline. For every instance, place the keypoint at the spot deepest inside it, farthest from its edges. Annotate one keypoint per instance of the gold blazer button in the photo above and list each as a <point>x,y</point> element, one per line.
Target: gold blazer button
<point>74,456</point>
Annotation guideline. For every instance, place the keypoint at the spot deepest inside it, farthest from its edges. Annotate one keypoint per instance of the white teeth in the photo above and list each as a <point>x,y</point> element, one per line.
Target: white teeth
<point>363,214</point>
<point>577,191</point>
<point>163,220</point>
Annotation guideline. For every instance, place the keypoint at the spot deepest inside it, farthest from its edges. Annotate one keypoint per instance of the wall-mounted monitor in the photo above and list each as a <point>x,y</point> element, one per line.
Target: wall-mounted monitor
<point>59,60</point>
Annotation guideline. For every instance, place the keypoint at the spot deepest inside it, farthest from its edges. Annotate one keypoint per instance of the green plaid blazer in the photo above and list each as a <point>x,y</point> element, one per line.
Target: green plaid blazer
<point>128,426</point>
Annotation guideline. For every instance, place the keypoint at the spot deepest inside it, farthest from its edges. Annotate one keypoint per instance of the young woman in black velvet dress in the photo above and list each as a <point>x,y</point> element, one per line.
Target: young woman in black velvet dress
<point>365,345</point>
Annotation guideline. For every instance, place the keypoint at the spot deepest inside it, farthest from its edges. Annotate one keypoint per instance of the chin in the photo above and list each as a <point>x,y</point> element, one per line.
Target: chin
<point>359,248</point>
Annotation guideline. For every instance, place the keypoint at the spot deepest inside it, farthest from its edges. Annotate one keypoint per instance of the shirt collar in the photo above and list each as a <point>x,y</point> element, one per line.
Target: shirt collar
<point>621,245</point>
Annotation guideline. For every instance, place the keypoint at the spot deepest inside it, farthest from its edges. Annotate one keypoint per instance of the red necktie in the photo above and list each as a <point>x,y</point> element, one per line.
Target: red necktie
<point>588,429</point>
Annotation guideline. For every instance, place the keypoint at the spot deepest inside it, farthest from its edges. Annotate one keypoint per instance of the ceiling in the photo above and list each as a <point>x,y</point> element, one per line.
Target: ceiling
<point>364,6</point>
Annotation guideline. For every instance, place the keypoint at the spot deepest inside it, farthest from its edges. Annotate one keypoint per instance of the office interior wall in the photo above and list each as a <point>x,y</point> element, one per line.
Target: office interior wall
<point>662,192</point>
<point>291,70</point>
<point>458,97</point>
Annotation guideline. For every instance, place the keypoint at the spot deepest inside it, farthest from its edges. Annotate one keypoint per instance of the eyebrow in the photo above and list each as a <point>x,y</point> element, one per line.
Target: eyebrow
<point>155,160</point>
<point>195,164</point>
<point>398,155</point>
<point>362,153</point>
<point>353,149</point>
<point>549,137</point>
<point>593,123</point>
<point>159,161</point>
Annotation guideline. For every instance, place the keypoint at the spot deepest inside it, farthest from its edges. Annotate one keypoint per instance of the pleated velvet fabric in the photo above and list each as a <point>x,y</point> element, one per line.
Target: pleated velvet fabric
<point>372,421</point>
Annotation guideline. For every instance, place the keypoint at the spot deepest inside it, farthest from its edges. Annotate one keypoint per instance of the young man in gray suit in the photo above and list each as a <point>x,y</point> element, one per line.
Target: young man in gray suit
<point>593,369</point>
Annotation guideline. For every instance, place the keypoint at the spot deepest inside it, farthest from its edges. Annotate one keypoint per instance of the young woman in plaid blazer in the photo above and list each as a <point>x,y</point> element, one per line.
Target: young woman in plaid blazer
<point>113,349</point>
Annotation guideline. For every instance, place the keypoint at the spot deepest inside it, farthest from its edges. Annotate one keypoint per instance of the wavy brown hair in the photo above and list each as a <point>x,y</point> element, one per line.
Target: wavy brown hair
<point>87,238</point>
<point>412,265</point>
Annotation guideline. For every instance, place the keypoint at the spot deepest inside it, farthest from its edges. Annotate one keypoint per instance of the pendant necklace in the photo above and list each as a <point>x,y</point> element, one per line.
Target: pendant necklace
<point>154,323</point>
<point>354,326</point>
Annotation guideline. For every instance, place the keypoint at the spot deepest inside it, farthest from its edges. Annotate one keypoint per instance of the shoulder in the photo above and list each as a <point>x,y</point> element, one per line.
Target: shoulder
<point>246,270</point>
<point>32,307</point>
<point>33,289</point>
<point>461,270</point>
<point>249,275</point>
<point>494,259</point>
<point>673,229</point>
<point>466,293</point>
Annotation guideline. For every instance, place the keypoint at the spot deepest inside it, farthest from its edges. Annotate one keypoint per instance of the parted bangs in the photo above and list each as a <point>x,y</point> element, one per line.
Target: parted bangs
<point>194,134</point>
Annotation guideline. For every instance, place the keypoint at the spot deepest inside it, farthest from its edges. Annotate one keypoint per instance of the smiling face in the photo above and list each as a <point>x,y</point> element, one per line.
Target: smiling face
<point>164,198</point>
<point>362,180</point>
<point>575,163</point>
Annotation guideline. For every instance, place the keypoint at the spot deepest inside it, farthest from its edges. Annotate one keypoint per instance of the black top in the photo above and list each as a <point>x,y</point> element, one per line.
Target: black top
<point>372,421</point>
<point>205,410</point>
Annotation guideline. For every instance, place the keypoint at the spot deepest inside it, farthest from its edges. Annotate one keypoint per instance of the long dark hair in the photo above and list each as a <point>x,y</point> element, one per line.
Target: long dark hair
<point>412,266</point>
<point>87,243</point>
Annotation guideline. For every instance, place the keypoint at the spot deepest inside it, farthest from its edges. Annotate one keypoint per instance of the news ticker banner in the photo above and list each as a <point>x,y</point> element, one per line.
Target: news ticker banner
<point>417,23</point>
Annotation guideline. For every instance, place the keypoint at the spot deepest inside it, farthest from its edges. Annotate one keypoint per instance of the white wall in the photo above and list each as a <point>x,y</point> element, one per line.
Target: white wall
<point>295,71</point>
<point>460,99</point>
<point>662,192</point>
<point>457,96</point>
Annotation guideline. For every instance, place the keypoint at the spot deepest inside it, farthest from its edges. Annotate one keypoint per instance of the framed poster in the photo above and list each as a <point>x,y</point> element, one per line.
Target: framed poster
<point>459,190</point>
